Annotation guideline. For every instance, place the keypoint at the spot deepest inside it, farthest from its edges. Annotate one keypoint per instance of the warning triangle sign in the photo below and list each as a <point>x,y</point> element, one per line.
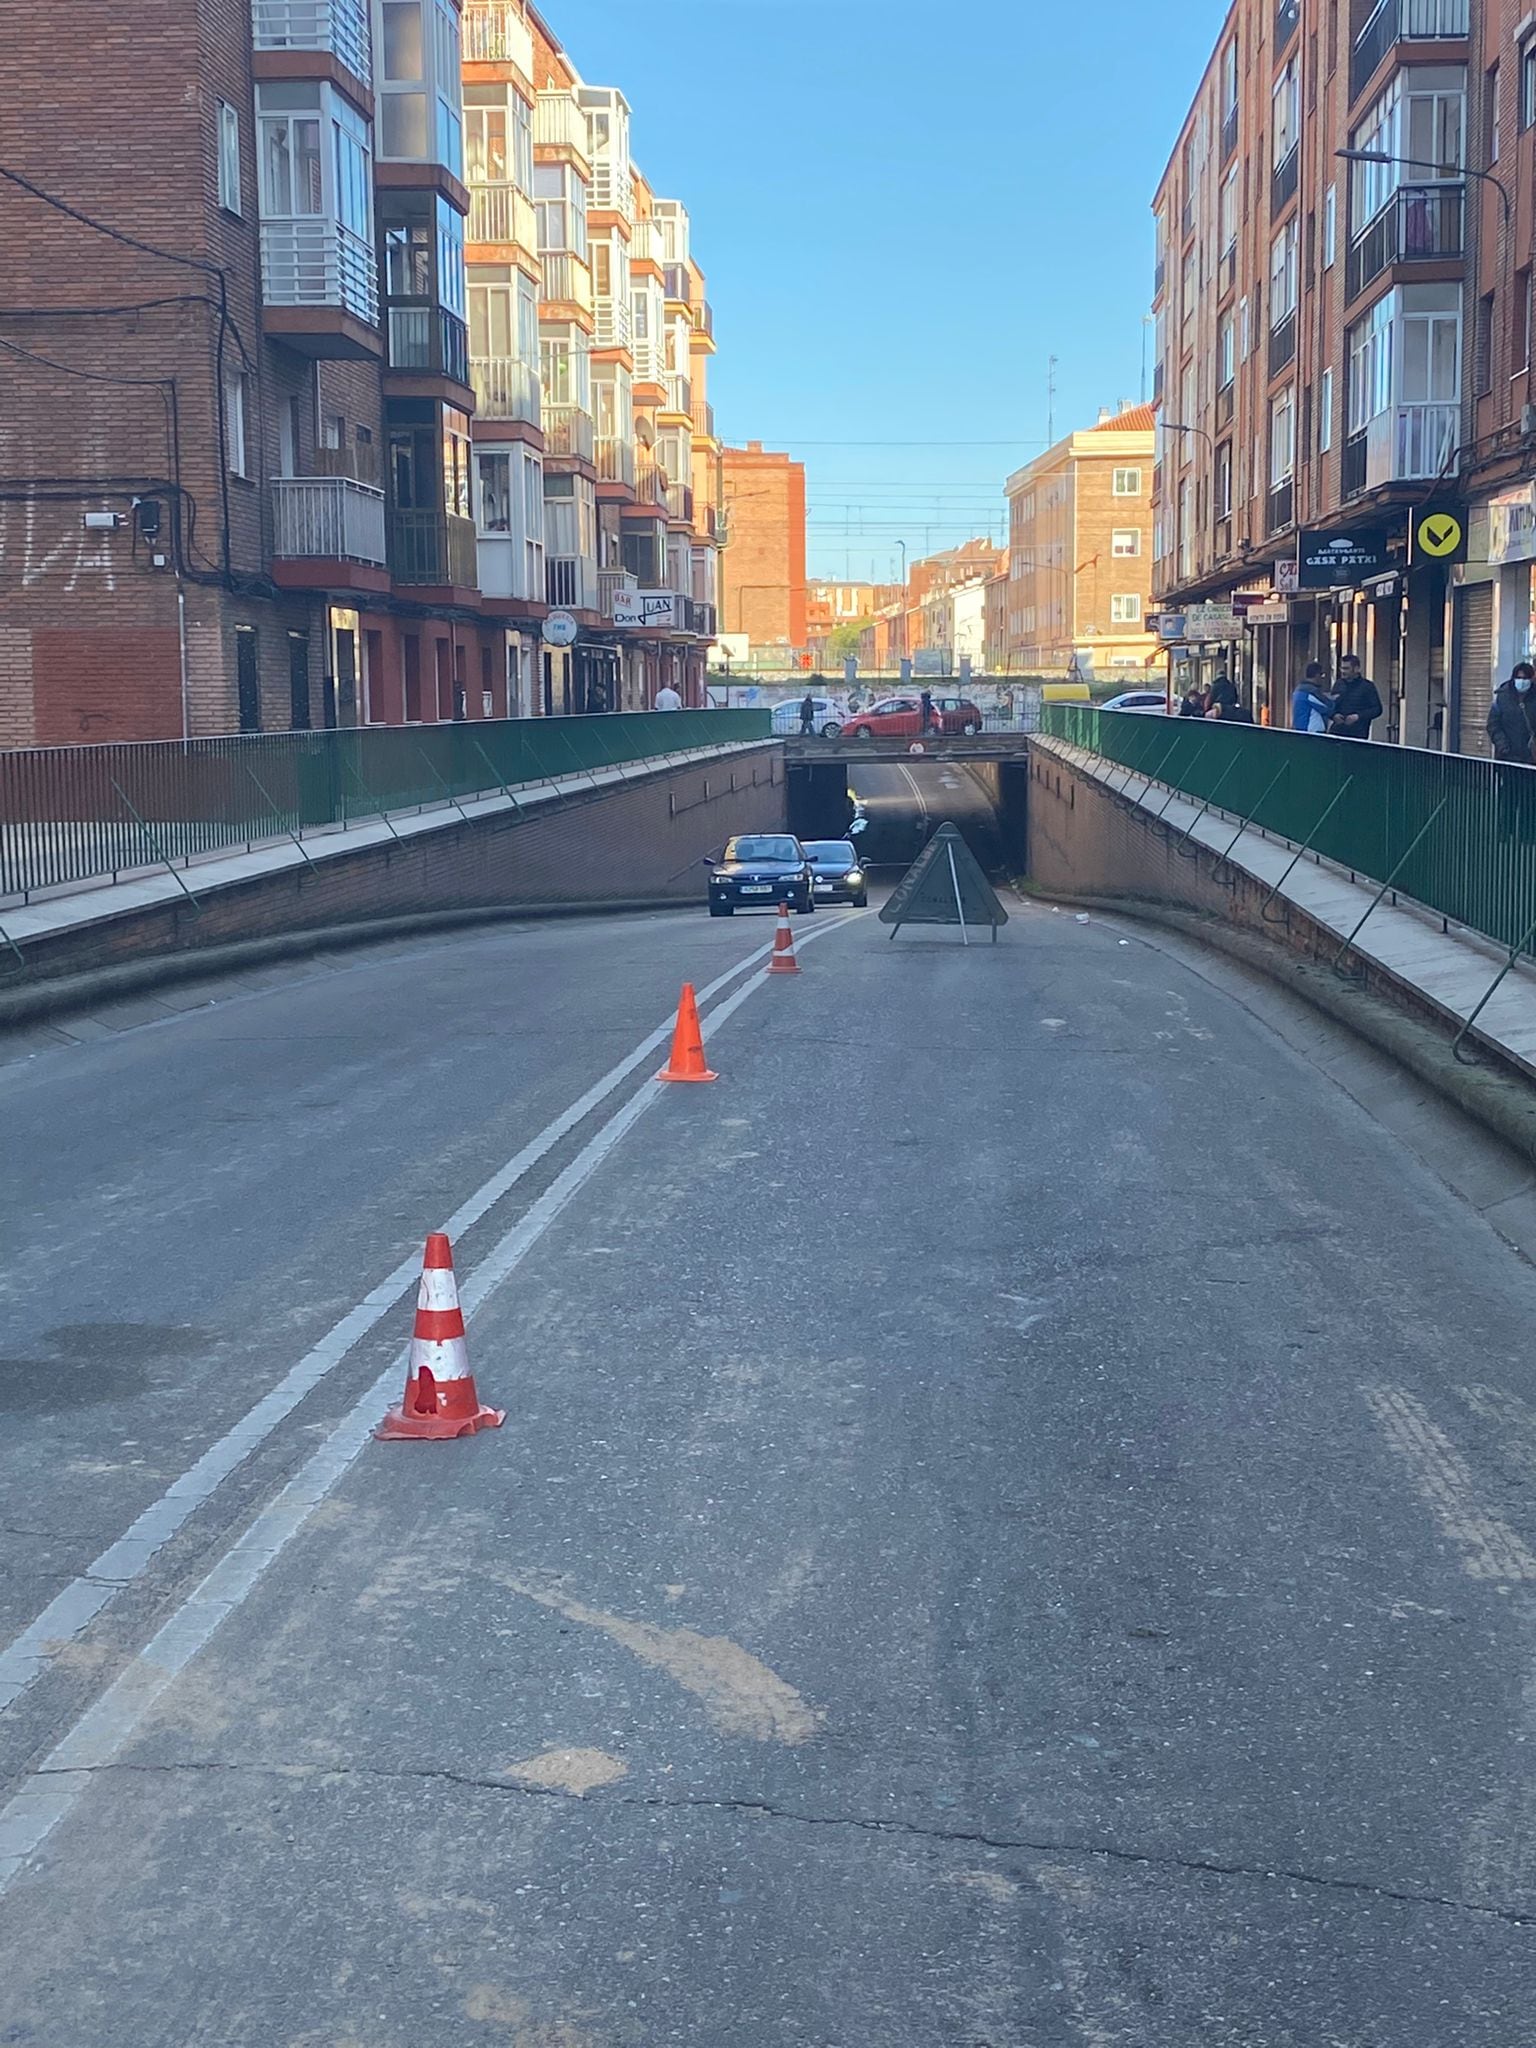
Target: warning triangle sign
<point>945,885</point>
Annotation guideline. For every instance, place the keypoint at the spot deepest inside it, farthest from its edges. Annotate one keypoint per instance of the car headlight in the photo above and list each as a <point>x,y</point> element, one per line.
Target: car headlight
<point>855,878</point>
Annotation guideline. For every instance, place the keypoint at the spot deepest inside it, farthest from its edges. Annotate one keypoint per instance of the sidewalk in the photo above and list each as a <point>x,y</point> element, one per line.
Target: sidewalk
<point>1446,965</point>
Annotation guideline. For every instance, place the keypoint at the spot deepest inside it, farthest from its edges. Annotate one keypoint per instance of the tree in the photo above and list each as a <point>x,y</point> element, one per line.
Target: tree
<point>843,641</point>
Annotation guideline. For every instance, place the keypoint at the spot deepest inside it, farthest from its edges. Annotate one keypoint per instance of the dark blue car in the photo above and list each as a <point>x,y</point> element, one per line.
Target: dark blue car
<point>759,871</point>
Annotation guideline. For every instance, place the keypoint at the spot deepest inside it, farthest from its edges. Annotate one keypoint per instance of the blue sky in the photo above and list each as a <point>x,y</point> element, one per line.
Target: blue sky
<point>904,210</point>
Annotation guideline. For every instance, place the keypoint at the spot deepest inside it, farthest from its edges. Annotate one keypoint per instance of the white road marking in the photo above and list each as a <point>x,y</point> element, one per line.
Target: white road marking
<point>911,781</point>
<point>1489,1548</point>
<point>110,1722</point>
<point>79,1602</point>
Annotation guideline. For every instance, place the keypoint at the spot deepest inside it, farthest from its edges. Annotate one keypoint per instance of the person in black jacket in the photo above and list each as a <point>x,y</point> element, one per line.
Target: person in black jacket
<point>1225,702</point>
<point>1512,721</point>
<point>1357,705</point>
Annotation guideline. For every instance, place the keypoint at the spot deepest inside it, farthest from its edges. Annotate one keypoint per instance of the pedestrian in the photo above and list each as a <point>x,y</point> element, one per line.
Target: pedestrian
<point>1512,720</point>
<point>667,699</point>
<point>1311,707</point>
<point>1194,703</point>
<point>927,708</point>
<point>1223,700</point>
<point>807,715</point>
<point>1357,705</point>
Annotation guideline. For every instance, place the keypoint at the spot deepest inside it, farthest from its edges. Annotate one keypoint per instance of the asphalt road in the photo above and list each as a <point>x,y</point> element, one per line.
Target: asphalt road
<point>907,802</point>
<point>1016,1522</point>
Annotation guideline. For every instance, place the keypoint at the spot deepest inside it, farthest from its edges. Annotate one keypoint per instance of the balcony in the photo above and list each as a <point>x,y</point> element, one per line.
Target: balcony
<point>428,341</point>
<point>613,189</point>
<point>567,281</point>
<point>698,618</point>
<point>650,362</point>
<point>1404,21</point>
<point>678,284</point>
<point>568,431</point>
<point>495,32</point>
<point>317,262</point>
<point>500,213</point>
<point>329,518</point>
<point>703,415</point>
<point>1282,185</point>
<point>337,27</point>
<point>558,123</point>
<point>645,242</point>
<point>436,548</point>
<point>1409,443</point>
<point>679,394</point>
<point>650,483</point>
<point>615,323</point>
<point>505,388</point>
<point>704,318</point>
<point>1419,224</point>
<point>1287,21</point>
<point>570,582</point>
<point>1282,344</point>
<point>612,583</point>
<point>1282,505</point>
<point>615,457</point>
<point>680,502</point>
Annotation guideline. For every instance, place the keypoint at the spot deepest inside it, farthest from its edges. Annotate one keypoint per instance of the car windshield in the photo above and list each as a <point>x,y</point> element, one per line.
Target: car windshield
<point>832,853</point>
<point>763,849</point>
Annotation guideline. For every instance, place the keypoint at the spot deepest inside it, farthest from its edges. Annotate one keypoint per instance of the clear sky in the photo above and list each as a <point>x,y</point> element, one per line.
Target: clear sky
<point>904,209</point>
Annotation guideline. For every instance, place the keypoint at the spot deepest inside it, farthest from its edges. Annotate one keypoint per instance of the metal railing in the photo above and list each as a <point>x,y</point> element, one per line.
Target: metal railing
<point>1475,864</point>
<point>567,431</point>
<point>680,501</point>
<point>704,418</point>
<point>558,123</point>
<point>429,338</point>
<point>1397,21</point>
<point>318,262</point>
<point>679,395</point>
<point>1419,224</point>
<point>78,814</point>
<point>434,548</point>
<point>678,283</point>
<point>502,213</point>
<point>1282,343</point>
<point>505,388</point>
<point>329,517</point>
<point>567,280</point>
<point>650,478</point>
<point>339,26</point>
<point>497,32</point>
<point>615,457</point>
<point>570,581</point>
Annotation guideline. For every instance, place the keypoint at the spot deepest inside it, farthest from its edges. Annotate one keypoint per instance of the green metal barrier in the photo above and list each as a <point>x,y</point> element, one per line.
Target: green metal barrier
<point>70,814</point>
<point>1452,832</point>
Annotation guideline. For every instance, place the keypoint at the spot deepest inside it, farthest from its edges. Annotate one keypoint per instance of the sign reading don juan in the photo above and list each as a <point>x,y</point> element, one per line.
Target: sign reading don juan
<point>1326,561</point>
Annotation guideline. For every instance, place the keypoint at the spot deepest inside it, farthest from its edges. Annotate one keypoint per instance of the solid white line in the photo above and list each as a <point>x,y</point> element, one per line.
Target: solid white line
<point>103,1729</point>
<point>911,781</point>
<point>83,1598</point>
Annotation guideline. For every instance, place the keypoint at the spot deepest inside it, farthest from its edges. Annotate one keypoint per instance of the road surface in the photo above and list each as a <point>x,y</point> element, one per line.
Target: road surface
<point>1016,1520</point>
<point>906,802</point>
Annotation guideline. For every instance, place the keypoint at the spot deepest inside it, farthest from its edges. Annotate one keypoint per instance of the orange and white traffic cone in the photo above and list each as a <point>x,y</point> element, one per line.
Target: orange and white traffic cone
<point>686,1062</point>
<point>784,961</point>
<point>440,1398</point>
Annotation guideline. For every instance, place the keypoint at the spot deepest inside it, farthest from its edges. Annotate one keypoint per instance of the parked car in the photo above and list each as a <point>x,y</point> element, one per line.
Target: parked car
<point>830,716</point>
<point>759,871</point>
<point>1138,700</point>
<point>902,718</point>
<point>838,874</point>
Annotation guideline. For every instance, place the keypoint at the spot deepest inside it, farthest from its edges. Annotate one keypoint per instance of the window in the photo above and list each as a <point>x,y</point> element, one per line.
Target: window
<point>1425,127</point>
<point>1482,346</point>
<point>247,679</point>
<point>1229,81</point>
<point>1528,85</point>
<point>1370,365</point>
<point>1325,412</point>
<point>1226,351</point>
<point>1227,212</point>
<point>314,157</point>
<point>1125,609</point>
<point>1127,483</point>
<point>1330,226</point>
<point>1244,331</point>
<point>1282,438</point>
<point>1188,292</point>
<point>1286,113</point>
<point>1282,274</point>
<point>494,505</point>
<point>1223,492</point>
<point>1491,111</point>
<point>1127,541</point>
<point>229,158</point>
<point>236,421</point>
<point>1520,324</point>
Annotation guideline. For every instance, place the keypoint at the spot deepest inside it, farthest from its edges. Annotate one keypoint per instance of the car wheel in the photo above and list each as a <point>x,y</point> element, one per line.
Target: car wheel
<point>858,732</point>
<point>861,903</point>
<point>721,909</point>
<point>970,729</point>
<point>805,906</point>
<point>830,731</point>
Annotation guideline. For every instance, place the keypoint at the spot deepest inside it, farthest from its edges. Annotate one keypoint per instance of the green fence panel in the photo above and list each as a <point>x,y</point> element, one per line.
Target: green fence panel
<point>1372,808</point>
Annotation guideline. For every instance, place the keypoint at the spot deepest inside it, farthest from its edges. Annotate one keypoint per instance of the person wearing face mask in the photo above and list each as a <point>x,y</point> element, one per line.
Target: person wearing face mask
<point>1512,721</point>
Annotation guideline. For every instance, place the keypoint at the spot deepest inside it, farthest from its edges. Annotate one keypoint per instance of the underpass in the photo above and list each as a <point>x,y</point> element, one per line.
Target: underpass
<point>976,1552</point>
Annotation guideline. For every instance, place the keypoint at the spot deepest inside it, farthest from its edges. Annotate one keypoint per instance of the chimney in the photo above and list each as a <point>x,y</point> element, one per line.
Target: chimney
<point>754,447</point>
<point>1105,415</point>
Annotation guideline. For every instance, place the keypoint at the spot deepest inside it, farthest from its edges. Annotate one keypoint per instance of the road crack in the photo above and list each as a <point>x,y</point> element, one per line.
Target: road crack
<point>1058,1848</point>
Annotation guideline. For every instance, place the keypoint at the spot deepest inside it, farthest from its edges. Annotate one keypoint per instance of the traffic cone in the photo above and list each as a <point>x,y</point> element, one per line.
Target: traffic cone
<point>687,1058</point>
<point>440,1398</point>
<point>784,961</point>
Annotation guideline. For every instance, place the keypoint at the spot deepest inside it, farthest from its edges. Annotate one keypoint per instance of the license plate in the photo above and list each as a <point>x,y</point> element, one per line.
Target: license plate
<point>757,888</point>
<point>824,888</point>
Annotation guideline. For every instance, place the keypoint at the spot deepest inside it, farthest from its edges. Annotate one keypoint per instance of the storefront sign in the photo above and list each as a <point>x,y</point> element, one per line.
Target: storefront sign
<point>1211,622</point>
<point>560,629</point>
<point>1166,625</point>
<point>645,608</point>
<point>1339,560</point>
<point>1287,578</point>
<point>1439,533</point>
<point>1276,614</point>
<point>1512,527</point>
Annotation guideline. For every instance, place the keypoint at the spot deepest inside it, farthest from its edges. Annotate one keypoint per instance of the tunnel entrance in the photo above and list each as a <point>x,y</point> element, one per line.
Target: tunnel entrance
<point>906,802</point>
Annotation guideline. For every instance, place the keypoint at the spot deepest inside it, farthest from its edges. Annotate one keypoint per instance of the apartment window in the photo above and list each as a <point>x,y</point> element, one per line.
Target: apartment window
<point>1226,351</point>
<point>1528,85</point>
<point>229,158</point>
<point>1223,490</point>
<point>1282,274</point>
<point>237,421</point>
<point>560,202</point>
<point>494,495</point>
<point>1423,131</point>
<point>247,679</point>
<point>1286,113</point>
<point>602,269</point>
<point>1244,330</point>
<point>1491,111</point>
<point>1127,483</point>
<point>1127,541</point>
<point>1370,365</point>
<point>1330,226</point>
<point>1482,346</point>
<point>1125,609</point>
<point>1325,412</point>
<point>1282,438</point>
<point>1520,324</point>
<point>533,521</point>
<point>1227,211</point>
<point>1188,292</point>
<point>314,156</point>
<point>1229,78</point>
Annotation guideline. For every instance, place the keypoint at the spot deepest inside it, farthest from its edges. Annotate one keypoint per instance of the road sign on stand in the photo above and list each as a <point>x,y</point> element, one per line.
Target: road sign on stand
<point>945,885</point>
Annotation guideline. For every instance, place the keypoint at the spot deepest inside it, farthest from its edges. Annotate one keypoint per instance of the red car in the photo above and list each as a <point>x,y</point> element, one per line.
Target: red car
<point>902,718</point>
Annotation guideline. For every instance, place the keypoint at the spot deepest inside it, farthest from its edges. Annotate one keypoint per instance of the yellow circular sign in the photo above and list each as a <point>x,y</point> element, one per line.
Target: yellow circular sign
<point>1439,535</point>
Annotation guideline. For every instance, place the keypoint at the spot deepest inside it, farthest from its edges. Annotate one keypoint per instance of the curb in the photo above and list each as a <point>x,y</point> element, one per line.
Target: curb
<point>73,992</point>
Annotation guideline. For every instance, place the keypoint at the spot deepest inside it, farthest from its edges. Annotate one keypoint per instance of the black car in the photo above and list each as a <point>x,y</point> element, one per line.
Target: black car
<point>837,871</point>
<point>758,871</point>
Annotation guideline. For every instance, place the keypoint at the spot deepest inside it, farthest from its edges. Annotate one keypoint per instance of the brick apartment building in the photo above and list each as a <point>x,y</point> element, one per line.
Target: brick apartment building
<point>1344,347</point>
<point>764,601</point>
<point>1080,552</point>
<point>258,474</point>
